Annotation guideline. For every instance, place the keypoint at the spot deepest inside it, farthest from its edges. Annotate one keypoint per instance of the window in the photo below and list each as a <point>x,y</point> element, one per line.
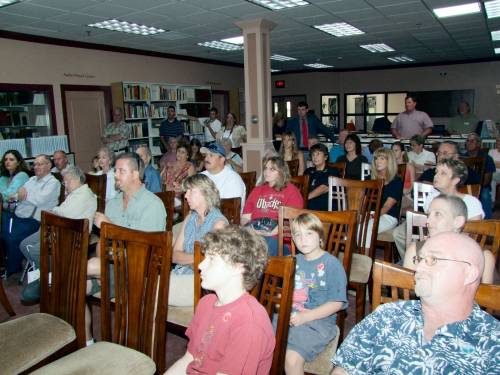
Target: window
<point>330,110</point>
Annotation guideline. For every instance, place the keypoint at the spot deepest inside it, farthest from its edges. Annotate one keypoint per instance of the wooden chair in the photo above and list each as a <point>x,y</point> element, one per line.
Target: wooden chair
<point>140,262</point>
<point>477,164</point>
<point>98,185</point>
<point>422,194</point>
<point>340,166</point>
<point>364,197</point>
<point>231,209</point>
<point>5,301</point>
<point>488,297</point>
<point>250,179</point>
<point>415,222</point>
<point>366,170</point>
<point>486,233</point>
<point>168,199</point>
<point>302,183</point>
<point>293,166</point>
<point>59,328</point>
<point>473,190</point>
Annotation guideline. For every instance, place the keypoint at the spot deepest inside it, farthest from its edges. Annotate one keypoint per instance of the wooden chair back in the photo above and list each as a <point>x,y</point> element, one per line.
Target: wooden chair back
<point>340,166</point>
<point>168,199</point>
<point>63,252</point>
<point>486,233</point>
<point>3,296</point>
<point>231,209</point>
<point>416,227</point>
<point>62,191</point>
<point>293,166</point>
<point>275,295</point>
<point>422,193</point>
<point>398,280</point>
<point>366,170</point>
<point>250,179</point>
<point>98,185</point>
<point>302,183</point>
<point>474,190</point>
<point>477,164</point>
<point>364,197</point>
<point>140,262</point>
<point>488,297</point>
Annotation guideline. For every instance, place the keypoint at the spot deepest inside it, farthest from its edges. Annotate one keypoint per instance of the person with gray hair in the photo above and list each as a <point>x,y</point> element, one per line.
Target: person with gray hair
<point>464,122</point>
<point>80,203</point>
<point>233,159</point>
<point>152,178</point>
<point>106,161</point>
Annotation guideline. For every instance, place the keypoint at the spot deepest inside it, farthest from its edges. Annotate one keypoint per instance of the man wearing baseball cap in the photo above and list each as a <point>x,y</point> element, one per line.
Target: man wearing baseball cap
<point>228,182</point>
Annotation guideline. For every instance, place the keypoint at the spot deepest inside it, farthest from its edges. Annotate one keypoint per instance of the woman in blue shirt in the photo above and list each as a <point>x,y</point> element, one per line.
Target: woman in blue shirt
<point>13,173</point>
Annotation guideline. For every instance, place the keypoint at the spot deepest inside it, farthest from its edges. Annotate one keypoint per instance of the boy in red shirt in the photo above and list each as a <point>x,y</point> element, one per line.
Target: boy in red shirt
<point>231,332</point>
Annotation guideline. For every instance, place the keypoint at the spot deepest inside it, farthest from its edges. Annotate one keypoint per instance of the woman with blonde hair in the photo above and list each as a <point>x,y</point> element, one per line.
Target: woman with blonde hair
<point>204,216</point>
<point>384,166</point>
<point>289,151</point>
<point>263,203</point>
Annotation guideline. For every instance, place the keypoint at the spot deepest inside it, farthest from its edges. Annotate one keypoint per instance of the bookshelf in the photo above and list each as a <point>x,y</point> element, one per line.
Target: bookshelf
<point>145,107</point>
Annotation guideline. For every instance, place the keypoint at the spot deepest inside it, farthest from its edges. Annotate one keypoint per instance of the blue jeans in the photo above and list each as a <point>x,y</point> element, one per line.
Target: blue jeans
<point>485,198</point>
<point>21,228</point>
<point>272,244</point>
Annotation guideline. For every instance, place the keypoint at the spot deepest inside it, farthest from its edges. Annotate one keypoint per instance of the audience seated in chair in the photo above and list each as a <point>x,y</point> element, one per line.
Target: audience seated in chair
<point>80,203</point>
<point>444,332</point>
<point>152,179</point>
<point>233,159</point>
<point>409,177</point>
<point>197,157</point>
<point>60,160</point>
<point>106,162</point>
<point>261,209</point>
<point>240,337</point>
<point>174,173</point>
<point>289,151</point>
<point>22,217</point>
<point>204,216</point>
<point>134,207</point>
<point>352,158</point>
<point>318,178</point>
<point>450,175</point>
<point>418,155</point>
<point>320,292</point>
<point>448,213</point>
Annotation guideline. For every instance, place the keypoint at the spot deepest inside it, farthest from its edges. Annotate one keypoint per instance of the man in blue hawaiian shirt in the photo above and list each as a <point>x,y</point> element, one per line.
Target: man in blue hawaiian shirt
<point>443,333</point>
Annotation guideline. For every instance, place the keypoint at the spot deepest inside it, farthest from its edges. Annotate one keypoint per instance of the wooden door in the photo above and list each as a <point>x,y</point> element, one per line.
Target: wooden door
<point>85,115</point>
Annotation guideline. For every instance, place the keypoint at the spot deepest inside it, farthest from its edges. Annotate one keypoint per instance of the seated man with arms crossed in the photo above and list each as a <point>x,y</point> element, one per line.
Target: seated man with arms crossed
<point>231,332</point>
<point>443,333</point>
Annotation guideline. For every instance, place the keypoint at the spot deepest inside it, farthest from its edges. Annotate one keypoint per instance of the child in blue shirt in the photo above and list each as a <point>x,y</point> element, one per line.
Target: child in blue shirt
<point>320,292</point>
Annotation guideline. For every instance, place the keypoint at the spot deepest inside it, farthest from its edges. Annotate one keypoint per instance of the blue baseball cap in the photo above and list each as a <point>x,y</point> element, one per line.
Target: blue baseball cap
<point>214,148</point>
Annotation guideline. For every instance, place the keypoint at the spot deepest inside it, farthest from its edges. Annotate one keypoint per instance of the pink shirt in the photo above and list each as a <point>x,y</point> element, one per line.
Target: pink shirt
<point>236,338</point>
<point>412,123</point>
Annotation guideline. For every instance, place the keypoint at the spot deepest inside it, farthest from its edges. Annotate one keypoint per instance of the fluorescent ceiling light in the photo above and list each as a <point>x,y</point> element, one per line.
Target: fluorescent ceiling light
<point>457,10</point>
<point>126,27</point>
<point>318,66</point>
<point>492,8</point>
<point>4,3</point>
<point>339,29</point>
<point>275,70</point>
<point>282,58</point>
<point>221,45</point>
<point>279,4</point>
<point>234,40</point>
<point>497,51</point>
<point>380,47</point>
<point>401,59</point>
<point>495,35</point>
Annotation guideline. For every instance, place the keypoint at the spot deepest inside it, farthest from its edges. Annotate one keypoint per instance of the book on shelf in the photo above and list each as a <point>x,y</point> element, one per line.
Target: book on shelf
<point>135,92</point>
<point>155,131</point>
<point>136,110</point>
<point>134,144</point>
<point>139,130</point>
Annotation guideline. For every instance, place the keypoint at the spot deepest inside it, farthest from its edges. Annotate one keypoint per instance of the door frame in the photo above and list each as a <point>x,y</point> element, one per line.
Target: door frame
<point>107,102</point>
<point>225,94</point>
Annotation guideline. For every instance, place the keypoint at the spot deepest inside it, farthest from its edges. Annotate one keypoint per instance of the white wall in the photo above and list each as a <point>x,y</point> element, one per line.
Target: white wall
<point>34,63</point>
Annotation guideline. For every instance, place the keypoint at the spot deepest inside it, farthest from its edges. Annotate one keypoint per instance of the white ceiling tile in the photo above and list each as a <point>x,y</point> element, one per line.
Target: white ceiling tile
<point>107,10</point>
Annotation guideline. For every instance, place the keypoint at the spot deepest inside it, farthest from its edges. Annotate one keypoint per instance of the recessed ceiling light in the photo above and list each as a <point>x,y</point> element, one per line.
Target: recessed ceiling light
<point>318,66</point>
<point>221,45</point>
<point>380,47</point>
<point>275,70</point>
<point>401,59</point>
<point>492,8</point>
<point>234,40</point>
<point>339,29</point>
<point>497,51</point>
<point>127,27</point>
<point>279,4</point>
<point>282,58</point>
<point>4,3</point>
<point>457,10</point>
<point>495,35</point>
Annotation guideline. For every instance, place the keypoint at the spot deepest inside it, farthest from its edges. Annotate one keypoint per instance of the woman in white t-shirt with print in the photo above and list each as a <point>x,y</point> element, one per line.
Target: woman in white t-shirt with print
<point>236,133</point>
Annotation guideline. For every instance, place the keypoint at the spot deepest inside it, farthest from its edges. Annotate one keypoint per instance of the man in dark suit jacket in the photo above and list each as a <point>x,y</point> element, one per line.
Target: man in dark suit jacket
<point>307,126</point>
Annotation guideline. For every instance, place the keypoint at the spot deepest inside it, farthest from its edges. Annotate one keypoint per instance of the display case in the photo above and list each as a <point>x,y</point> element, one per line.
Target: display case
<point>26,111</point>
<point>330,110</point>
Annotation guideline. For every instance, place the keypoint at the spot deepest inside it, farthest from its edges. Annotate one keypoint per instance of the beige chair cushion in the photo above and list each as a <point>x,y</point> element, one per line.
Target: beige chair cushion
<point>180,315</point>
<point>386,236</point>
<point>102,358</point>
<point>321,364</point>
<point>27,340</point>
<point>361,266</point>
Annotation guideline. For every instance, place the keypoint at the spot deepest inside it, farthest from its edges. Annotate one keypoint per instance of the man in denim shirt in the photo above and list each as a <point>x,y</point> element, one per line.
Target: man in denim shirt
<point>443,333</point>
